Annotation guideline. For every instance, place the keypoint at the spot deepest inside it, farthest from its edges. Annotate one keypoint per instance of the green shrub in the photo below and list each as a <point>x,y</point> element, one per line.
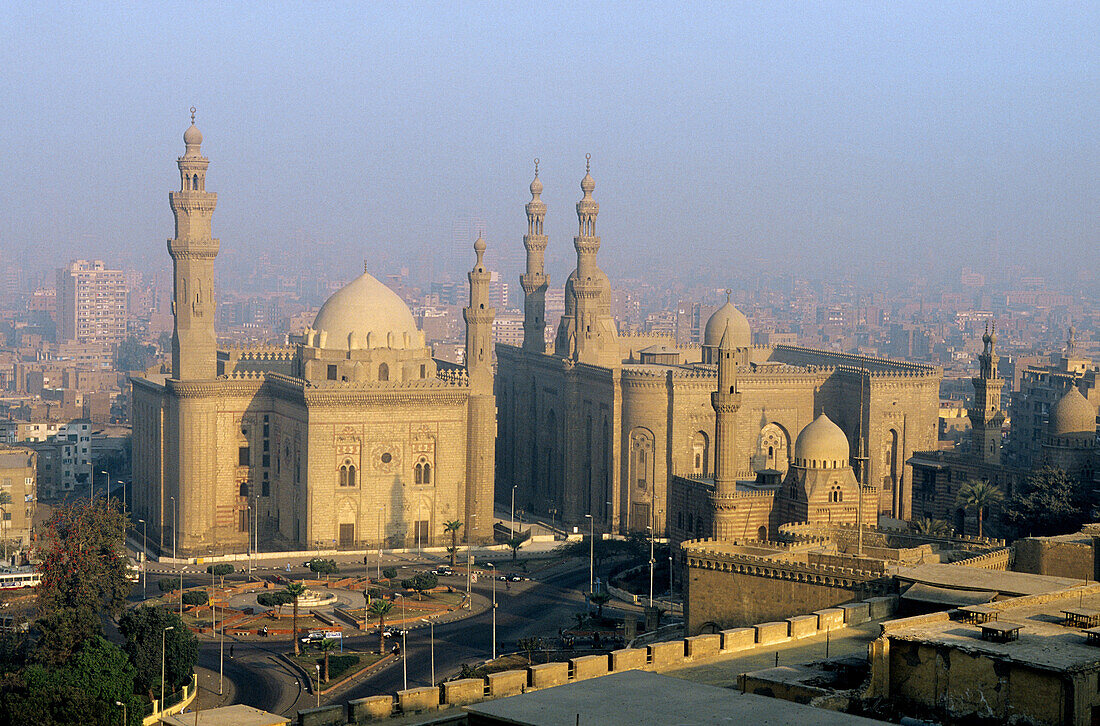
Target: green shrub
<point>194,597</point>
<point>389,573</point>
<point>167,584</point>
<point>220,570</point>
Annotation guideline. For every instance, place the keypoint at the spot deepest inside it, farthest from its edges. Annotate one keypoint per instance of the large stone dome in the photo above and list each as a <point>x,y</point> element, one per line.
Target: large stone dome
<point>1072,415</point>
<point>366,314</point>
<point>740,334</point>
<point>821,445</point>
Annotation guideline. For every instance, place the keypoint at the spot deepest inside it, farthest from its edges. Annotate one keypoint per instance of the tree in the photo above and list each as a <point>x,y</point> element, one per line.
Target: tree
<point>979,495</point>
<point>327,646</point>
<point>61,633</point>
<point>295,590</point>
<point>421,582</point>
<point>379,609</point>
<point>195,597</point>
<point>930,527</point>
<point>133,355</point>
<point>142,628</point>
<point>370,592</point>
<point>82,690</point>
<point>452,527</point>
<point>220,570</point>
<point>274,599</point>
<point>84,563</point>
<point>167,584</point>
<point>323,567</point>
<point>389,573</point>
<point>599,599</point>
<point>516,541</point>
<point>529,646</point>
<point>1051,503</point>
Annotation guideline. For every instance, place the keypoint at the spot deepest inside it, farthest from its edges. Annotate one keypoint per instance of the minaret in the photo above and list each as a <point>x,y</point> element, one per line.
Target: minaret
<point>986,416</point>
<point>481,409</point>
<point>726,401</point>
<point>586,286</point>
<point>194,351</point>
<point>535,281</point>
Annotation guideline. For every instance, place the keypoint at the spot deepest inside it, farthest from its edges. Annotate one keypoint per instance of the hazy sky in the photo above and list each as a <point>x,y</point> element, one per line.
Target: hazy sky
<point>878,136</point>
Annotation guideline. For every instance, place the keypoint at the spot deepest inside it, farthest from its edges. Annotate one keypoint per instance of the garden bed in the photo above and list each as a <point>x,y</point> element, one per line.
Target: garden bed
<point>341,665</point>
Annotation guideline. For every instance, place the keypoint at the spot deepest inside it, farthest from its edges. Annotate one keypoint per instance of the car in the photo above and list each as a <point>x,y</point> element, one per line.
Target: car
<point>443,571</point>
<point>518,578</point>
<point>393,633</point>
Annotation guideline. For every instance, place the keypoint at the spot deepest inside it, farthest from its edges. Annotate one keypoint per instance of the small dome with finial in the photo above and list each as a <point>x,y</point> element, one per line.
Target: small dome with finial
<point>588,184</point>
<point>192,136</point>
<point>479,244</point>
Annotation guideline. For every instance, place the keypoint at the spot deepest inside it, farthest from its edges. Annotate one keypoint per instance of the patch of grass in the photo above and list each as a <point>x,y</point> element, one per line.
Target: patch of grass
<point>340,664</point>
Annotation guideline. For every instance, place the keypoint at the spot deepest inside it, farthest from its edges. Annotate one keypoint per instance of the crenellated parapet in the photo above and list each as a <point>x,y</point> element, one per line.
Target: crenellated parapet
<point>708,554</point>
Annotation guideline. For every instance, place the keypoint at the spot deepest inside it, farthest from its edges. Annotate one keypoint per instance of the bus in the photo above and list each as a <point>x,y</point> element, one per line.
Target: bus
<point>14,578</point>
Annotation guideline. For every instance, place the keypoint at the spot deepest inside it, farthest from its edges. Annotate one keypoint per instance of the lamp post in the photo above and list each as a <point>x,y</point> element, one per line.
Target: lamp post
<point>670,584</point>
<point>651,563</point>
<point>163,633</point>
<point>248,510</point>
<point>144,555</point>
<point>174,518</point>
<point>221,657</point>
<point>404,650</point>
<point>381,516</point>
<point>512,531</point>
<point>182,570</point>
<point>490,564</point>
<point>431,624</point>
<point>107,485</point>
<point>591,552</point>
<point>318,667</point>
<point>125,719</point>
<point>470,564</point>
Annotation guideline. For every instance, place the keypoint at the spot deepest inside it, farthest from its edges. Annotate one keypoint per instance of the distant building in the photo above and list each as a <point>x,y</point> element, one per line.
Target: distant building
<point>18,480</point>
<point>91,303</point>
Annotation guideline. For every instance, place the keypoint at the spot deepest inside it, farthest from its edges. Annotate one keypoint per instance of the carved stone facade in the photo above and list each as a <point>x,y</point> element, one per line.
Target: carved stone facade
<point>352,437</point>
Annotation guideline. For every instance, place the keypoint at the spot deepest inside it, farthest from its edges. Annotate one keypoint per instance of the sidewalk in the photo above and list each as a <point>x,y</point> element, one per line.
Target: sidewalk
<point>208,690</point>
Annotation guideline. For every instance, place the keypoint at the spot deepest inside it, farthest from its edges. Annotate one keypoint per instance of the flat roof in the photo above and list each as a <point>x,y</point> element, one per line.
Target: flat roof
<point>639,697</point>
<point>1044,642</point>
<point>237,715</point>
<point>962,577</point>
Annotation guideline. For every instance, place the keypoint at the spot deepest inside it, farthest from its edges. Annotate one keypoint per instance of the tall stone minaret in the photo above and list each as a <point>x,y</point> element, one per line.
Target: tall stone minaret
<point>481,431</point>
<point>725,401</point>
<point>535,280</point>
<point>194,351</point>
<point>986,416</point>
<point>589,327</point>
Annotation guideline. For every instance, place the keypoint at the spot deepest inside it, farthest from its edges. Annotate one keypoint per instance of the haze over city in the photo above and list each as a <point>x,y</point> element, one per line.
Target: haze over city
<point>884,139</point>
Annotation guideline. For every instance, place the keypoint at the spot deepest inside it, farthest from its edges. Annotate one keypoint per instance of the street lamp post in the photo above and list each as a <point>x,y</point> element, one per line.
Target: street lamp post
<point>404,650</point>
<point>470,564</point>
<point>221,657</point>
<point>248,509</point>
<point>125,715</point>
<point>144,555</point>
<point>431,624</point>
<point>591,552</point>
<point>182,570</point>
<point>490,564</point>
<point>318,667</point>
<point>174,522</point>
<point>107,485</point>
<point>512,531</point>
<point>651,563</point>
<point>381,516</point>
<point>163,633</point>
<point>670,584</point>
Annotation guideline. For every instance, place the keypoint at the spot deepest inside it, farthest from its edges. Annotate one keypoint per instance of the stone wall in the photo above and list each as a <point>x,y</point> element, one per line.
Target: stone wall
<point>1056,556</point>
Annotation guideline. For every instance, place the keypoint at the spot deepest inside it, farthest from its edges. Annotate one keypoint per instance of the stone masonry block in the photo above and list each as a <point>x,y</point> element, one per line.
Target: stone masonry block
<point>371,708</point>
<point>703,646</point>
<point>507,683</point>
<point>771,633</point>
<point>802,626</point>
<point>628,659</point>
<point>829,619</point>
<point>882,607</point>
<point>415,700</point>
<point>589,666</point>
<point>855,613</point>
<point>736,639</point>
<point>545,675</point>
<point>664,655</point>
<point>323,716</point>
<point>463,691</point>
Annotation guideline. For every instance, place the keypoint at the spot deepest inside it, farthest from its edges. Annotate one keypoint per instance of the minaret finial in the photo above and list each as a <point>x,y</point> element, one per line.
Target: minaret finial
<point>728,293</point>
<point>192,115</point>
<point>536,167</point>
<point>366,267</point>
<point>587,163</point>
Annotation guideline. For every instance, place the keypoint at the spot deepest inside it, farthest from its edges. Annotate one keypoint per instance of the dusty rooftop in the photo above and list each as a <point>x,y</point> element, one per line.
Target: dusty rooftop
<point>961,577</point>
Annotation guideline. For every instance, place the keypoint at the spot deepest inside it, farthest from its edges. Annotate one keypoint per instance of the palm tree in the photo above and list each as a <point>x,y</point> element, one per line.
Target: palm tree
<point>599,599</point>
<point>931,527</point>
<point>379,608</point>
<point>295,590</point>
<point>327,646</point>
<point>453,526</point>
<point>980,495</point>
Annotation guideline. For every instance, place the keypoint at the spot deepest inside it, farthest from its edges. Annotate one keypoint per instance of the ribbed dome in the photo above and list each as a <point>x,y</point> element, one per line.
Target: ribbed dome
<point>363,314</point>
<point>740,334</point>
<point>821,445</point>
<point>1073,414</point>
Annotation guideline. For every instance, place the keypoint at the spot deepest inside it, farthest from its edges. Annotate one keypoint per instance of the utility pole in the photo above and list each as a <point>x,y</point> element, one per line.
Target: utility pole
<point>862,459</point>
<point>144,556</point>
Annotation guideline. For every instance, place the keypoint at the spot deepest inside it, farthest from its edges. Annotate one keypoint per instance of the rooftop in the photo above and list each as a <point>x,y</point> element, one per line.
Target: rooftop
<point>238,715</point>
<point>638,697</point>
<point>1044,641</point>
<point>961,577</point>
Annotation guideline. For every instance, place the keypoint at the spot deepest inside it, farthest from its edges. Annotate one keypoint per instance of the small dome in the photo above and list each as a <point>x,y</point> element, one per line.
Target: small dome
<point>536,186</point>
<point>822,444</point>
<point>588,184</point>
<point>1073,414</point>
<point>479,245</point>
<point>740,333</point>
<point>366,311</point>
<point>192,136</point>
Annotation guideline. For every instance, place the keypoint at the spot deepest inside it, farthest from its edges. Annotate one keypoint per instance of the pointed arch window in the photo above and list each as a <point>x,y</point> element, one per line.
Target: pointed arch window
<point>383,372</point>
<point>347,474</point>
<point>422,472</point>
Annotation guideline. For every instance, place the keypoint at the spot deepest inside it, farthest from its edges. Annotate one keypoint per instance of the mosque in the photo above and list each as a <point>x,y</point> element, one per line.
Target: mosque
<point>727,439</point>
<point>353,436</point>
